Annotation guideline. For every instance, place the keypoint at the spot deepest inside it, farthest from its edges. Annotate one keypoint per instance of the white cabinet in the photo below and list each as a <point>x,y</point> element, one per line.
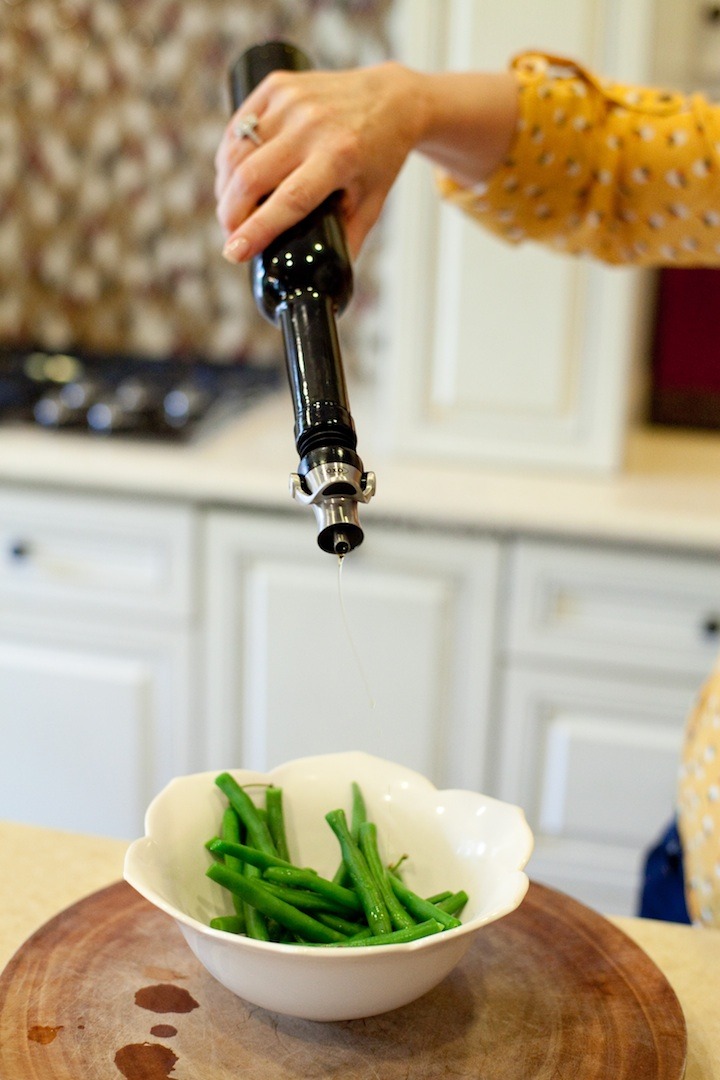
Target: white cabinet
<point>404,672</point>
<point>605,652</point>
<point>97,633</point>
<point>512,355</point>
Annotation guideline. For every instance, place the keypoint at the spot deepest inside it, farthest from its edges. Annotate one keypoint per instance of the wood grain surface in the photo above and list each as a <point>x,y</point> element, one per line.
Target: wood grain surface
<point>109,988</point>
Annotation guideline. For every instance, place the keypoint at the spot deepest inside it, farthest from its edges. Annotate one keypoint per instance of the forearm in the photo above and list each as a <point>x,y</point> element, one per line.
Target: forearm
<point>468,121</point>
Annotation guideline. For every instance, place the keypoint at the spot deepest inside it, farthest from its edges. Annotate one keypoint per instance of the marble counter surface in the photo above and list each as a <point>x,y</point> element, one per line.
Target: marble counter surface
<point>667,494</point>
<point>44,871</point>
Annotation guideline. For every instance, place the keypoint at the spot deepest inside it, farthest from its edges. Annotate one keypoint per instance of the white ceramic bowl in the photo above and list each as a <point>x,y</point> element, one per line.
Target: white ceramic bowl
<point>455,839</point>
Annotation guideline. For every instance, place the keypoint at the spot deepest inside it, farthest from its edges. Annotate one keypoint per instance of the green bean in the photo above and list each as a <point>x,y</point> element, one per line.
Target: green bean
<point>308,879</point>
<point>399,916</point>
<point>231,924</point>
<point>276,820</point>
<point>255,922</point>
<point>254,893</point>
<point>230,830</point>
<point>256,925</point>
<point>358,814</point>
<point>438,897</point>
<point>364,883</point>
<point>394,937</point>
<point>454,903</point>
<point>245,853</point>
<point>420,908</point>
<point>305,899</point>
<point>338,922</point>
<point>257,830</point>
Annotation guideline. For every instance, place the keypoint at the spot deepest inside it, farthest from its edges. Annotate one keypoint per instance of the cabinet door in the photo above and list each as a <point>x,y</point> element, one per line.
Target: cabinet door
<point>392,656</point>
<point>499,353</point>
<point>93,721</point>
<point>594,762</point>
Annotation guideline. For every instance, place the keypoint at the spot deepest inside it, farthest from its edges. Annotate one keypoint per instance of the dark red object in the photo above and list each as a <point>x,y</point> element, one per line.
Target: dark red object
<point>686,349</point>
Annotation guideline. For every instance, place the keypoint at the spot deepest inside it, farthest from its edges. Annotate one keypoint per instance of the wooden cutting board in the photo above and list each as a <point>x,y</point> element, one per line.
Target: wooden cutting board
<point>109,988</point>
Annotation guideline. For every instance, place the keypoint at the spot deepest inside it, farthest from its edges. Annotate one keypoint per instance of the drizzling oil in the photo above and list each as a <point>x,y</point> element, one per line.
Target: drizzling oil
<point>348,634</point>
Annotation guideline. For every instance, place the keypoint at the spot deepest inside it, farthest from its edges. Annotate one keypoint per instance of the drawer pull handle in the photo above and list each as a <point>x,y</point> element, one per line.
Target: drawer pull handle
<point>19,550</point>
<point>711,626</point>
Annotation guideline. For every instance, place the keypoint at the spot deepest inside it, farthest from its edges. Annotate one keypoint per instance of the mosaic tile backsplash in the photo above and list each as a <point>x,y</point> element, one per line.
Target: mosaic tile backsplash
<point>110,113</point>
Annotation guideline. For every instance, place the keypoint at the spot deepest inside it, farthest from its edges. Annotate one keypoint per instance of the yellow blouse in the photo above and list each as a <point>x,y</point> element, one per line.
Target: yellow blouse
<point>625,174</point>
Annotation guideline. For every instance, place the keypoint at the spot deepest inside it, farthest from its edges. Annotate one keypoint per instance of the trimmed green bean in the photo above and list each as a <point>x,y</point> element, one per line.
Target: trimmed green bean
<point>394,937</point>
<point>399,916</point>
<point>308,879</point>
<point>230,829</point>
<point>276,821</point>
<point>252,855</point>
<point>255,894</point>
<point>437,897</point>
<point>364,883</point>
<point>358,814</point>
<point>420,908</point>
<point>306,899</point>
<point>454,903</point>
<point>338,922</point>
<point>255,922</point>
<point>257,830</point>
<point>231,924</point>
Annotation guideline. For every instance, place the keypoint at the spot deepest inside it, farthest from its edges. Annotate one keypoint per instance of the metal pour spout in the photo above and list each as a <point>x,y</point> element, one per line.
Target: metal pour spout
<point>333,491</point>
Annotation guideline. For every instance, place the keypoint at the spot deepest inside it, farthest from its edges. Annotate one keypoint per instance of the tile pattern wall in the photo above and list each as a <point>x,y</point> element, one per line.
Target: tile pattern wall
<point>110,113</point>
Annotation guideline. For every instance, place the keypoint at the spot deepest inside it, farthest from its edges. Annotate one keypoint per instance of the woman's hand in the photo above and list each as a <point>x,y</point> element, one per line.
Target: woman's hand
<point>321,132</point>
<point>351,131</point>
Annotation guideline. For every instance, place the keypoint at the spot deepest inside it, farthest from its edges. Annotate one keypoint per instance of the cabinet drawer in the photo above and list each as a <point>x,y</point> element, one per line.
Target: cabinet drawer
<point>91,553</point>
<point>633,609</point>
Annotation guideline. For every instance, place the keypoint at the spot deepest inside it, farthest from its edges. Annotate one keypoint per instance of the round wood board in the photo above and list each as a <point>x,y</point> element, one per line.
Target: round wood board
<point>109,988</point>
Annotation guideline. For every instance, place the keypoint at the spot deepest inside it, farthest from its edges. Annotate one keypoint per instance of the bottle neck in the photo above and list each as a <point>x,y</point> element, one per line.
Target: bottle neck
<point>315,374</point>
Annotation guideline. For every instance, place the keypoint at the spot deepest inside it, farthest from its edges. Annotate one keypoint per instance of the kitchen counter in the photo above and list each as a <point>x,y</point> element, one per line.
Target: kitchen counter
<point>666,495</point>
<point>46,870</point>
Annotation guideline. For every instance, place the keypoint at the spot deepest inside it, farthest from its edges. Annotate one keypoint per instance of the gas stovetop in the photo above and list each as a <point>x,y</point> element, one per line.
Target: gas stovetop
<point>126,395</point>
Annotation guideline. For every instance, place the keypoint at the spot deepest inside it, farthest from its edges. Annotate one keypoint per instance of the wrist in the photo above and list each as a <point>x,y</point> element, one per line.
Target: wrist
<point>411,102</point>
<point>469,121</point>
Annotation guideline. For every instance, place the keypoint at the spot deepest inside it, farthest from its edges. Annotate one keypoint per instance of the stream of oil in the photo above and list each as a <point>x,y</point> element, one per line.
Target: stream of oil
<point>351,641</point>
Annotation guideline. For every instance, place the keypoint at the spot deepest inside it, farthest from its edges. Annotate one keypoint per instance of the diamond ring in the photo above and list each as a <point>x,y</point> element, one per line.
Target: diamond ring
<point>246,128</point>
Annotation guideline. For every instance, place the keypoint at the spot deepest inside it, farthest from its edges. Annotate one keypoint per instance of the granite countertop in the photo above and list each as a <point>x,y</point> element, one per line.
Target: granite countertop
<point>666,494</point>
<point>47,870</point>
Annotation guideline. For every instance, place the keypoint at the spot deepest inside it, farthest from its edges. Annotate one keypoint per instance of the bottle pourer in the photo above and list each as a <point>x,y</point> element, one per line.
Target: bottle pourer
<point>301,282</point>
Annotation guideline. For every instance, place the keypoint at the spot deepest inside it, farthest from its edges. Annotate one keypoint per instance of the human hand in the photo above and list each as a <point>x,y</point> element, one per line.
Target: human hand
<point>320,132</point>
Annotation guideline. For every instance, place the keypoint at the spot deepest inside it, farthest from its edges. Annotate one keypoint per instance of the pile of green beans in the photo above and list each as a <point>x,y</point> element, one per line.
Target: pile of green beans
<point>366,902</point>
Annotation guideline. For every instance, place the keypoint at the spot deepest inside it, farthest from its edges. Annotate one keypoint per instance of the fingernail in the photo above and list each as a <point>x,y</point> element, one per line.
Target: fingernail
<point>236,248</point>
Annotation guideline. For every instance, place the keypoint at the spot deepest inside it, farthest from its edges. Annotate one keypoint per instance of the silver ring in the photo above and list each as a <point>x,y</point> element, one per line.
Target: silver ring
<point>246,128</point>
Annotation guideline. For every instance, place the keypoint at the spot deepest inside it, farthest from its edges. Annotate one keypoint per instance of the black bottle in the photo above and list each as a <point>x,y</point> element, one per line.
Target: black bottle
<point>301,282</point>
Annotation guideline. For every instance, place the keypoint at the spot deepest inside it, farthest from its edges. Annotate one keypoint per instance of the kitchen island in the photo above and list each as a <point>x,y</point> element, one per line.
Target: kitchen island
<point>45,870</point>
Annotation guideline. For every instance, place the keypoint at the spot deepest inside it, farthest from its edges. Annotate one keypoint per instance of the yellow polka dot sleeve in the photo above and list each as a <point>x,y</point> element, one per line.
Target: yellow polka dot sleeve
<point>699,806</point>
<point>626,175</point>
